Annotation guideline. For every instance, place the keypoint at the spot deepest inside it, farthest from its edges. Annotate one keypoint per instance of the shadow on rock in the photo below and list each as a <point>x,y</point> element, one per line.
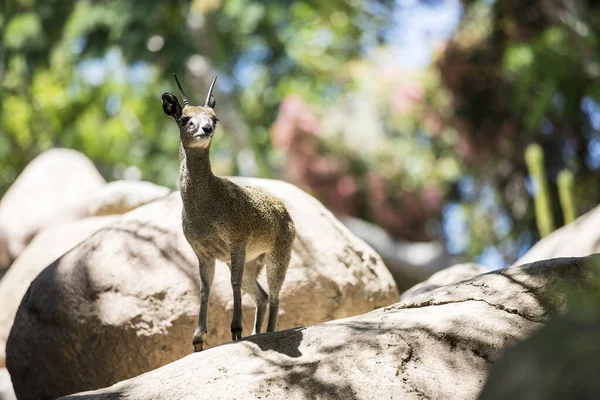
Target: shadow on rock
<point>284,342</point>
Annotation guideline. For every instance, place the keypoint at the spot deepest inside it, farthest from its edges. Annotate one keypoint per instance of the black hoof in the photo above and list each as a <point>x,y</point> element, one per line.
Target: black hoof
<point>237,335</point>
<point>198,347</point>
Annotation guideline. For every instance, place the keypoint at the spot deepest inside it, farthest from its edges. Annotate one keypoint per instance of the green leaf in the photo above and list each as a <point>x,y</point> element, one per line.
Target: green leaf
<point>24,32</point>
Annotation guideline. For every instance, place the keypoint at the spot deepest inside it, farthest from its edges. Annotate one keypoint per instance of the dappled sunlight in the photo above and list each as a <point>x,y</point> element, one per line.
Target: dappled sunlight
<point>437,345</point>
<point>442,152</point>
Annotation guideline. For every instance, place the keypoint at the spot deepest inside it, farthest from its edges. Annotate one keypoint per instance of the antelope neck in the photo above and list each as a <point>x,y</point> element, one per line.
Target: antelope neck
<point>195,171</point>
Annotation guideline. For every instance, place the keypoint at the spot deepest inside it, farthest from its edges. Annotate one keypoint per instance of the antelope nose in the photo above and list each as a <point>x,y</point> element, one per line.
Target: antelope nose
<point>207,128</point>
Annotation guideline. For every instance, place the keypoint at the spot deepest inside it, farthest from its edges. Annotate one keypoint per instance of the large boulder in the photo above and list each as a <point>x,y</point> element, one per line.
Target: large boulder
<point>125,301</point>
<point>119,197</point>
<point>438,345</point>
<point>6,389</point>
<point>560,361</point>
<point>577,239</point>
<point>56,186</point>
<point>47,246</point>
<point>444,277</point>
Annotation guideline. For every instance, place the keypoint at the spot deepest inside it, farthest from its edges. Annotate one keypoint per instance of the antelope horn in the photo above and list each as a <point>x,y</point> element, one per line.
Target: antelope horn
<point>185,100</point>
<point>212,85</point>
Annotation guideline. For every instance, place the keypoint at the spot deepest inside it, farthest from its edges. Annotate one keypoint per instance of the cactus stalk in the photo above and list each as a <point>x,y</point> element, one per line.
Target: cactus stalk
<point>534,157</point>
<point>565,193</point>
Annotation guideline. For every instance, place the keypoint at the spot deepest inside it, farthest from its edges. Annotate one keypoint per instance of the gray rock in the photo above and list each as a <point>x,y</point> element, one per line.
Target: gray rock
<point>125,301</point>
<point>445,277</point>
<point>119,197</point>
<point>6,389</point>
<point>55,187</point>
<point>561,360</point>
<point>577,239</point>
<point>436,346</point>
<point>47,246</point>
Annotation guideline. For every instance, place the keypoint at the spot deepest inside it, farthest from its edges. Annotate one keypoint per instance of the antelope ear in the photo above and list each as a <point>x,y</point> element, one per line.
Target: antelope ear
<point>171,105</point>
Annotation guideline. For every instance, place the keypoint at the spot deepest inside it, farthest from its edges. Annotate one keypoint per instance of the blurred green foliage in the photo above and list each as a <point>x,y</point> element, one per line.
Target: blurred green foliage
<point>523,72</point>
<point>72,77</point>
<point>89,75</point>
<point>369,138</point>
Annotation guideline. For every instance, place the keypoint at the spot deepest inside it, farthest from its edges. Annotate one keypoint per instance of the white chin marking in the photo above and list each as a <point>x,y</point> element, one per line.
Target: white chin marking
<point>199,143</point>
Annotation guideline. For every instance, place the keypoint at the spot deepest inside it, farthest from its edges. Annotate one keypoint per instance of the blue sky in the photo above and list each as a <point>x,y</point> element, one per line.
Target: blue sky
<point>418,25</point>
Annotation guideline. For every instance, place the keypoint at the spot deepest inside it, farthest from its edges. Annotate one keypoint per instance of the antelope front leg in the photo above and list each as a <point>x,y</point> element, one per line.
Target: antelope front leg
<point>207,275</point>
<point>238,260</point>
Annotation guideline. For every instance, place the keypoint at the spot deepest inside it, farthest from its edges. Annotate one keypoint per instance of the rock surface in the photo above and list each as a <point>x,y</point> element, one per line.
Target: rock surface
<point>560,361</point>
<point>445,277</point>
<point>577,239</point>
<point>119,197</point>
<point>56,186</point>
<point>438,345</point>
<point>6,389</point>
<point>125,301</point>
<point>47,246</point>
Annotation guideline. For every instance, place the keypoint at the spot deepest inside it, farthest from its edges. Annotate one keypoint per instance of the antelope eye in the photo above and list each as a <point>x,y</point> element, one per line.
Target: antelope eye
<point>184,120</point>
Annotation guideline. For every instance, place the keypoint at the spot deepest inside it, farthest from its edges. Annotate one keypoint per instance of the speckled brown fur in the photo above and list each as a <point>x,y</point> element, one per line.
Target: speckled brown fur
<point>240,225</point>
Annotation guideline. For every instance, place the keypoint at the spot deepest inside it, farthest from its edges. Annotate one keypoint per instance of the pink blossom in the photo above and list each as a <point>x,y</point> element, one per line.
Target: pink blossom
<point>405,96</point>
